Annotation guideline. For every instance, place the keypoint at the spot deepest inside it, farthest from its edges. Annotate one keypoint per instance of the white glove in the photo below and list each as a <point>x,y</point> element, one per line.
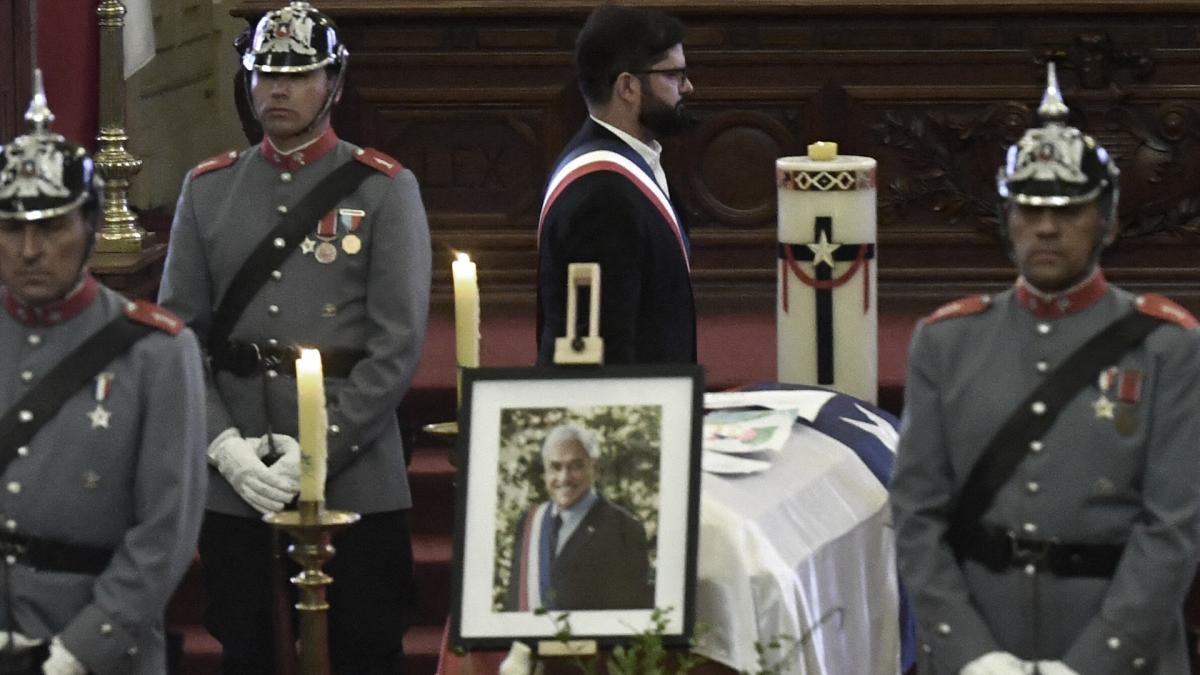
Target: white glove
<point>287,467</point>
<point>1055,668</point>
<point>997,663</point>
<point>20,641</point>
<point>62,662</point>
<point>237,460</point>
<point>518,661</point>
<point>280,444</point>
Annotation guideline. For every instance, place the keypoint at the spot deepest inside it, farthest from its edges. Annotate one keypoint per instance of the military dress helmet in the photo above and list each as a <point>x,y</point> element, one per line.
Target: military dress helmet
<point>42,175</point>
<point>1056,164</point>
<point>295,39</point>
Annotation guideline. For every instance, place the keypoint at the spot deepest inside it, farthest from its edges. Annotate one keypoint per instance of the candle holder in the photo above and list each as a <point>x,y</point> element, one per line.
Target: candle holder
<point>120,233</point>
<point>311,528</point>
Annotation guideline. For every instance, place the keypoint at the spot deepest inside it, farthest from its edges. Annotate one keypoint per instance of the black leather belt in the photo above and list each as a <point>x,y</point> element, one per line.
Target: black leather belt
<point>53,556</point>
<point>245,359</point>
<point>999,551</point>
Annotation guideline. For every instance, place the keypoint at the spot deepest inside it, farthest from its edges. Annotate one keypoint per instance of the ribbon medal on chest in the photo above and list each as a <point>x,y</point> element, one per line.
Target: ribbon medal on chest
<point>348,221</point>
<point>100,416</point>
<point>325,252</point>
<point>1120,392</point>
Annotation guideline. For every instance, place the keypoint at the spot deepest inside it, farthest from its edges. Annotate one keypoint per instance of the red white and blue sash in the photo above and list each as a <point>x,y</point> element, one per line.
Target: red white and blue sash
<point>591,161</point>
<point>530,564</point>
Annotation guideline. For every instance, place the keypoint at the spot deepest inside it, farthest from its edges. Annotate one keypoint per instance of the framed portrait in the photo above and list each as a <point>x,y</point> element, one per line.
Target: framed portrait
<point>578,494</point>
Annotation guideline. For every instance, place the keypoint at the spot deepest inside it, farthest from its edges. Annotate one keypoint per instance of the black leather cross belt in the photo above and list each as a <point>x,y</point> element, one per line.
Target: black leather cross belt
<point>999,551</point>
<point>53,556</point>
<point>245,359</point>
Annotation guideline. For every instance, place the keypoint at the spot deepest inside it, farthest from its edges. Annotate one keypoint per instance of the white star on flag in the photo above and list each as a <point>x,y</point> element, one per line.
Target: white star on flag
<point>877,427</point>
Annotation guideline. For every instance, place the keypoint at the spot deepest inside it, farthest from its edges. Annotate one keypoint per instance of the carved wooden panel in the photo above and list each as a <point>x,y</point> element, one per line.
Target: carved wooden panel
<point>14,66</point>
<point>478,98</point>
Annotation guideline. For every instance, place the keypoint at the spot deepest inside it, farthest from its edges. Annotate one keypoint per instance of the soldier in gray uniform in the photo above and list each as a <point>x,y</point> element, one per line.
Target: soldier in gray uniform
<point>101,438</point>
<point>1046,516</point>
<point>353,281</point>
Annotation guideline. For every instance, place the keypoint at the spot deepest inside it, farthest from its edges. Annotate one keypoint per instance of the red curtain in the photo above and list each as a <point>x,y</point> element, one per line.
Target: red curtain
<point>68,45</point>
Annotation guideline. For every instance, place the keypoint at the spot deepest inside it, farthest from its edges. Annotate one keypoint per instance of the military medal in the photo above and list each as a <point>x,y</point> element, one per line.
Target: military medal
<point>1129,392</point>
<point>99,416</point>
<point>325,251</point>
<point>1104,407</point>
<point>1126,420</point>
<point>348,221</point>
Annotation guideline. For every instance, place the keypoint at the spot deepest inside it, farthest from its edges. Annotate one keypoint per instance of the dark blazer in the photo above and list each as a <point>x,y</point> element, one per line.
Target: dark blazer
<point>647,312</point>
<point>604,565</point>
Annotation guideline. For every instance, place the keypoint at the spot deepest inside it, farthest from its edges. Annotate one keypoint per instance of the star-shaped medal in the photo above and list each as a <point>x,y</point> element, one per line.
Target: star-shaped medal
<point>1103,407</point>
<point>823,251</point>
<point>308,245</point>
<point>99,417</point>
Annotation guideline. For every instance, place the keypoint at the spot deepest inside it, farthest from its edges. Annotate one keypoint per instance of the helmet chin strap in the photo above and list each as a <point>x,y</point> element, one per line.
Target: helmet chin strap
<point>343,57</point>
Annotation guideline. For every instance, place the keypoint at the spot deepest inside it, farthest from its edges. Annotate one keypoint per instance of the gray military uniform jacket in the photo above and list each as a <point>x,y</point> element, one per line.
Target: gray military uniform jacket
<point>1125,474</point>
<point>375,300</point>
<point>121,467</point>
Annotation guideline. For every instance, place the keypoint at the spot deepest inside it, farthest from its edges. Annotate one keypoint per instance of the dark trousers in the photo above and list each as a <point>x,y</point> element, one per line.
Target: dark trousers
<point>28,662</point>
<point>370,598</point>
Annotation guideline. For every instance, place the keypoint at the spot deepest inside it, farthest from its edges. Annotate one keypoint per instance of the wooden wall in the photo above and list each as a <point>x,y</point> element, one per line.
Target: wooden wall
<point>477,97</point>
<point>14,66</point>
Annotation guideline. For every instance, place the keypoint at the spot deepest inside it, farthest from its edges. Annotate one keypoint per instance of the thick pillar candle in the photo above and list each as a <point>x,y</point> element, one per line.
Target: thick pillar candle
<point>466,312</point>
<point>826,316</point>
<point>310,397</point>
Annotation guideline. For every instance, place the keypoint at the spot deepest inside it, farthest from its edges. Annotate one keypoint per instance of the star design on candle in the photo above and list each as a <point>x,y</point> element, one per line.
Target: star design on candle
<point>823,251</point>
<point>99,417</point>
<point>1104,407</point>
<point>308,245</point>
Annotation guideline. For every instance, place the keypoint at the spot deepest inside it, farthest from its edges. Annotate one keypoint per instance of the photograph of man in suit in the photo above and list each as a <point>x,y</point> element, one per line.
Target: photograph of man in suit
<point>577,550</point>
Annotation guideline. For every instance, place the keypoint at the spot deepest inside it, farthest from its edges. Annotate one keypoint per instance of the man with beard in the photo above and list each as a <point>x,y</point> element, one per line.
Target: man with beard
<point>607,200</point>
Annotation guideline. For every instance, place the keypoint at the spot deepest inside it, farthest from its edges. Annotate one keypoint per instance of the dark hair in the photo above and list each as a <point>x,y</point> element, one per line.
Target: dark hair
<point>620,39</point>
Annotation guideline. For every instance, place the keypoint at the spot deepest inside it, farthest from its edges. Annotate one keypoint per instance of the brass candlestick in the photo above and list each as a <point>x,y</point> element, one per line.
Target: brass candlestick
<point>311,528</point>
<point>120,232</point>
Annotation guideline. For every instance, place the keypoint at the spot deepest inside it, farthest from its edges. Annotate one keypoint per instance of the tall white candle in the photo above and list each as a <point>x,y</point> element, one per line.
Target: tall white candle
<point>840,191</point>
<point>466,311</point>
<point>310,397</point>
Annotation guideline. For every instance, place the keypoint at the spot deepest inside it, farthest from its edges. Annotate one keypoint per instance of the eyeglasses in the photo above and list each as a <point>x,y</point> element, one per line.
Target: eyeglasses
<point>677,74</point>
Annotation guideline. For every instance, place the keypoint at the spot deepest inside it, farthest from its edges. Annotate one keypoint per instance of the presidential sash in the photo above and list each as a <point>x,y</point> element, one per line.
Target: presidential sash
<point>533,565</point>
<point>604,156</point>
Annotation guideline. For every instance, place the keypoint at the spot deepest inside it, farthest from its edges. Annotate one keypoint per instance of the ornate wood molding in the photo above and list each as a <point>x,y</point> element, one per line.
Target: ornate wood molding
<point>478,97</point>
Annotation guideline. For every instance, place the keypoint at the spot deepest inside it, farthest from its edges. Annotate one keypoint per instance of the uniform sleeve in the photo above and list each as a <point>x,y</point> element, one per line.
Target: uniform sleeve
<point>1159,559</point>
<point>953,632</point>
<point>602,227</point>
<point>397,309</point>
<point>129,597</point>
<point>187,291</point>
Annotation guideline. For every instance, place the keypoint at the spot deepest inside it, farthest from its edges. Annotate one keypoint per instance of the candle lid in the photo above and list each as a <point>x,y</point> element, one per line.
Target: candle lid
<point>835,163</point>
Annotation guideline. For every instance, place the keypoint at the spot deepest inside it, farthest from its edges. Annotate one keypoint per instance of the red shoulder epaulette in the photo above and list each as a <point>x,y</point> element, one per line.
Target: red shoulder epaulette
<point>972,304</point>
<point>1160,307</point>
<point>144,311</point>
<point>379,161</point>
<point>215,162</point>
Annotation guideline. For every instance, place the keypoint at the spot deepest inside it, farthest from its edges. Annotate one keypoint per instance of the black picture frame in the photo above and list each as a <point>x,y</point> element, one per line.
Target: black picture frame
<point>647,421</point>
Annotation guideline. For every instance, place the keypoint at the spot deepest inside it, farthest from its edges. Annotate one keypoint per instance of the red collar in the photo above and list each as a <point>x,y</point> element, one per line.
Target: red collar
<point>56,312</point>
<point>1070,301</point>
<point>305,155</point>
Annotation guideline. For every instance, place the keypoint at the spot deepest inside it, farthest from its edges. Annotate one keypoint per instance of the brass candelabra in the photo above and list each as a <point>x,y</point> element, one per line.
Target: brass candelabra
<point>311,528</point>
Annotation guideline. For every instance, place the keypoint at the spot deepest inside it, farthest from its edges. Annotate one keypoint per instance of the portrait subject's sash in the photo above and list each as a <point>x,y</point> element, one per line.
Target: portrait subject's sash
<point>621,159</point>
<point>532,567</point>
